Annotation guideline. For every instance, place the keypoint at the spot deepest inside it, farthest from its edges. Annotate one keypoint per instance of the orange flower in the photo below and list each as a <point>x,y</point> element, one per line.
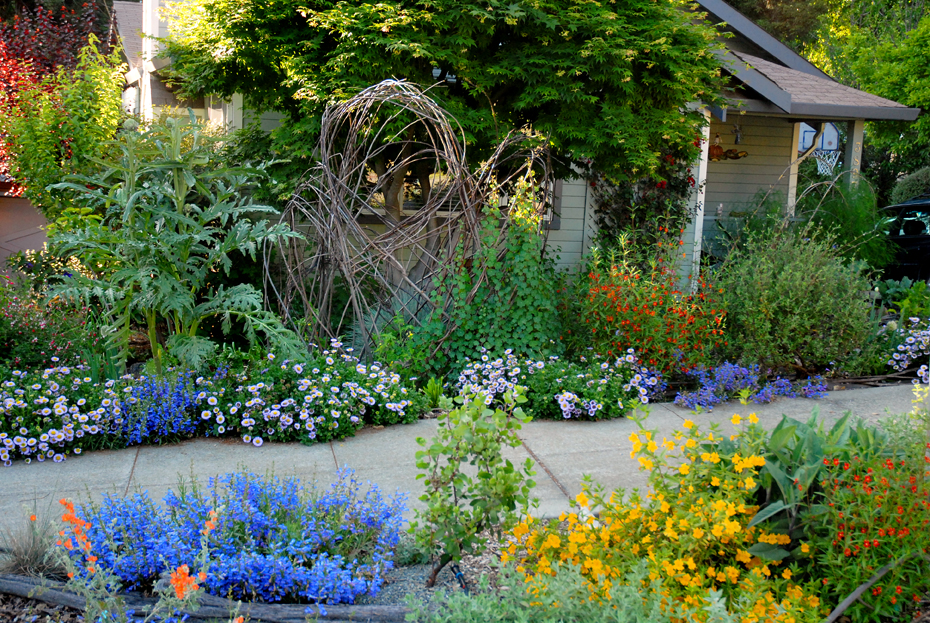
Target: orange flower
<point>32,517</point>
<point>182,582</point>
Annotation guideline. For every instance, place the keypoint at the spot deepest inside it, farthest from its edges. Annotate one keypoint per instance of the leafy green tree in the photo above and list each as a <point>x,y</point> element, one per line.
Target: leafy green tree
<point>793,22</point>
<point>899,69</point>
<point>606,82</point>
<point>851,28</point>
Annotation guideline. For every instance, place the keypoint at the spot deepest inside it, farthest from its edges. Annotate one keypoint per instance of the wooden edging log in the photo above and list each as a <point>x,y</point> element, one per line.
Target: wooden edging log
<point>210,607</point>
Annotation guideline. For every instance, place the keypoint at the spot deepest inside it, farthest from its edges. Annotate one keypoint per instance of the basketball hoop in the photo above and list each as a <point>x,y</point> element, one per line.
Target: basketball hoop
<point>826,160</point>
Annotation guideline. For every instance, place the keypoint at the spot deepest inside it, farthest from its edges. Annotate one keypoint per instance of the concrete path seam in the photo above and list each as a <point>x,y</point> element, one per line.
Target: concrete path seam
<point>333,451</point>
<point>132,471</point>
<point>666,408</point>
<point>546,469</point>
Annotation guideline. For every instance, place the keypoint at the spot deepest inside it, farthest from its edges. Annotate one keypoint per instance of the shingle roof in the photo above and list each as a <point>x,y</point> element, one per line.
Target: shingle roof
<point>808,89</point>
<point>129,23</point>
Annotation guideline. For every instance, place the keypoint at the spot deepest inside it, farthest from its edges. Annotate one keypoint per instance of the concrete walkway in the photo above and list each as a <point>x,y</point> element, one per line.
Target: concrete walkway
<point>563,452</point>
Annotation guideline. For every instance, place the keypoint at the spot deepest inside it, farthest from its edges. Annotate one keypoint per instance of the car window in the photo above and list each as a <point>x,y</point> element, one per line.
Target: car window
<point>914,222</point>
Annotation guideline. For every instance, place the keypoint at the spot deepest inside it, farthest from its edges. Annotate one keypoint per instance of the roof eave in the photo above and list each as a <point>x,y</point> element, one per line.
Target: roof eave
<point>869,113</point>
<point>824,111</point>
<point>755,80</point>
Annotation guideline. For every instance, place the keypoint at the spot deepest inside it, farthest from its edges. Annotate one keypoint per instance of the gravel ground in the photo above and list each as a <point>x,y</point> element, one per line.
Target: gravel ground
<point>20,610</point>
<point>411,580</point>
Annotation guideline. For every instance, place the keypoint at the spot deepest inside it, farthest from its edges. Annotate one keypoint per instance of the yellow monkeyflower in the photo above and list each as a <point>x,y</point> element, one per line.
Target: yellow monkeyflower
<point>753,419</point>
<point>688,424</point>
<point>684,468</point>
<point>805,548</point>
<point>736,419</point>
<point>652,446</point>
<point>698,533</point>
<point>582,499</point>
<point>750,483</point>
<point>786,574</point>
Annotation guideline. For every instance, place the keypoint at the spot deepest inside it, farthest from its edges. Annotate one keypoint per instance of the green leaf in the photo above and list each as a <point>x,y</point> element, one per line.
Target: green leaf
<point>769,511</point>
<point>767,551</point>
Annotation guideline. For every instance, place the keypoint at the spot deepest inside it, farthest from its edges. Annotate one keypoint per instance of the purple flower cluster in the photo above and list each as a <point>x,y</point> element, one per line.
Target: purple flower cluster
<point>328,397</point>
<point>274,540</point>
<point>590,388</point>
<point>717,385</point>
<point>60,411</point>
<point>914,344</point>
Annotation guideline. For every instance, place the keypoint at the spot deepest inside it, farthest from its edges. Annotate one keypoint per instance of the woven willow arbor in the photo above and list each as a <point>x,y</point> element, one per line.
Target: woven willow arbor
<point>384,211</point>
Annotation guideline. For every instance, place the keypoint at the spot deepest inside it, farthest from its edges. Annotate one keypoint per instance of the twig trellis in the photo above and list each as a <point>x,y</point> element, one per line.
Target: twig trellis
<point>383,212</point>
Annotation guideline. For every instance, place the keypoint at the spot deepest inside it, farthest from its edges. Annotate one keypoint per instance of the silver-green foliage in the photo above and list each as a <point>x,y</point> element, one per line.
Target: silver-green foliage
<point>564,597</point>
<point>172,218</point>
<point>792,302</point>
<point>459,505</point>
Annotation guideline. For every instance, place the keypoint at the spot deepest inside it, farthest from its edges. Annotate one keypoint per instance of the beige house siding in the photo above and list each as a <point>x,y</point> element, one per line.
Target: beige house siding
<point>732,185</point>
<point>572,240</point>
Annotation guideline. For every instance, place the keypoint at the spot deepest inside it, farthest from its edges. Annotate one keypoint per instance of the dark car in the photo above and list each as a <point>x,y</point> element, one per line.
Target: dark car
<point>910,231</point>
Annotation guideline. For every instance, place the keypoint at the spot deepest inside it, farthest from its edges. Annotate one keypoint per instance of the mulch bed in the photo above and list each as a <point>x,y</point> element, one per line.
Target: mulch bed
<point>14,609</point>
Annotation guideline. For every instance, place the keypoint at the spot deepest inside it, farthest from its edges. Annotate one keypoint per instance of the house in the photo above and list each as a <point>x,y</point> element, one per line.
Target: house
<point>774,95</point>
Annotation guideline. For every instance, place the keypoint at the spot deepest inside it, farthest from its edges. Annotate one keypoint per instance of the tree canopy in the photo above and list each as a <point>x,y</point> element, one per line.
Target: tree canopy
<point>606,81</point>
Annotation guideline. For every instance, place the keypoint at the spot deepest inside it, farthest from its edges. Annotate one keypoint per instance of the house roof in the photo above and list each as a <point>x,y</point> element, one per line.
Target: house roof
<point>781,82</point>
<point>815,96</point>
<point>129,25</point>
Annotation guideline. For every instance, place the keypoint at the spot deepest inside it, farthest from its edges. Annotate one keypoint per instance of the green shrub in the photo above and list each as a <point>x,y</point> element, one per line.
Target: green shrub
<point>37,334</point>
<point>59,126</point>
<point>500,294</point>
<point>633,301</point>
<point>793,303</point>
<point>852,218</point>
<point>563,596</point>
<point>460,506</point>
<point>910,186</point>
<point>173,219</point>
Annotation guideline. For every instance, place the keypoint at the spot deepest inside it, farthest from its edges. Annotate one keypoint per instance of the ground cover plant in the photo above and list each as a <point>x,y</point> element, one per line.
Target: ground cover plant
<point>727,381</point>
<point>266,538</point>
<point>562,596</point>
<point>61,411</point>
<point>594,387</point>
<point>912,336</point>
